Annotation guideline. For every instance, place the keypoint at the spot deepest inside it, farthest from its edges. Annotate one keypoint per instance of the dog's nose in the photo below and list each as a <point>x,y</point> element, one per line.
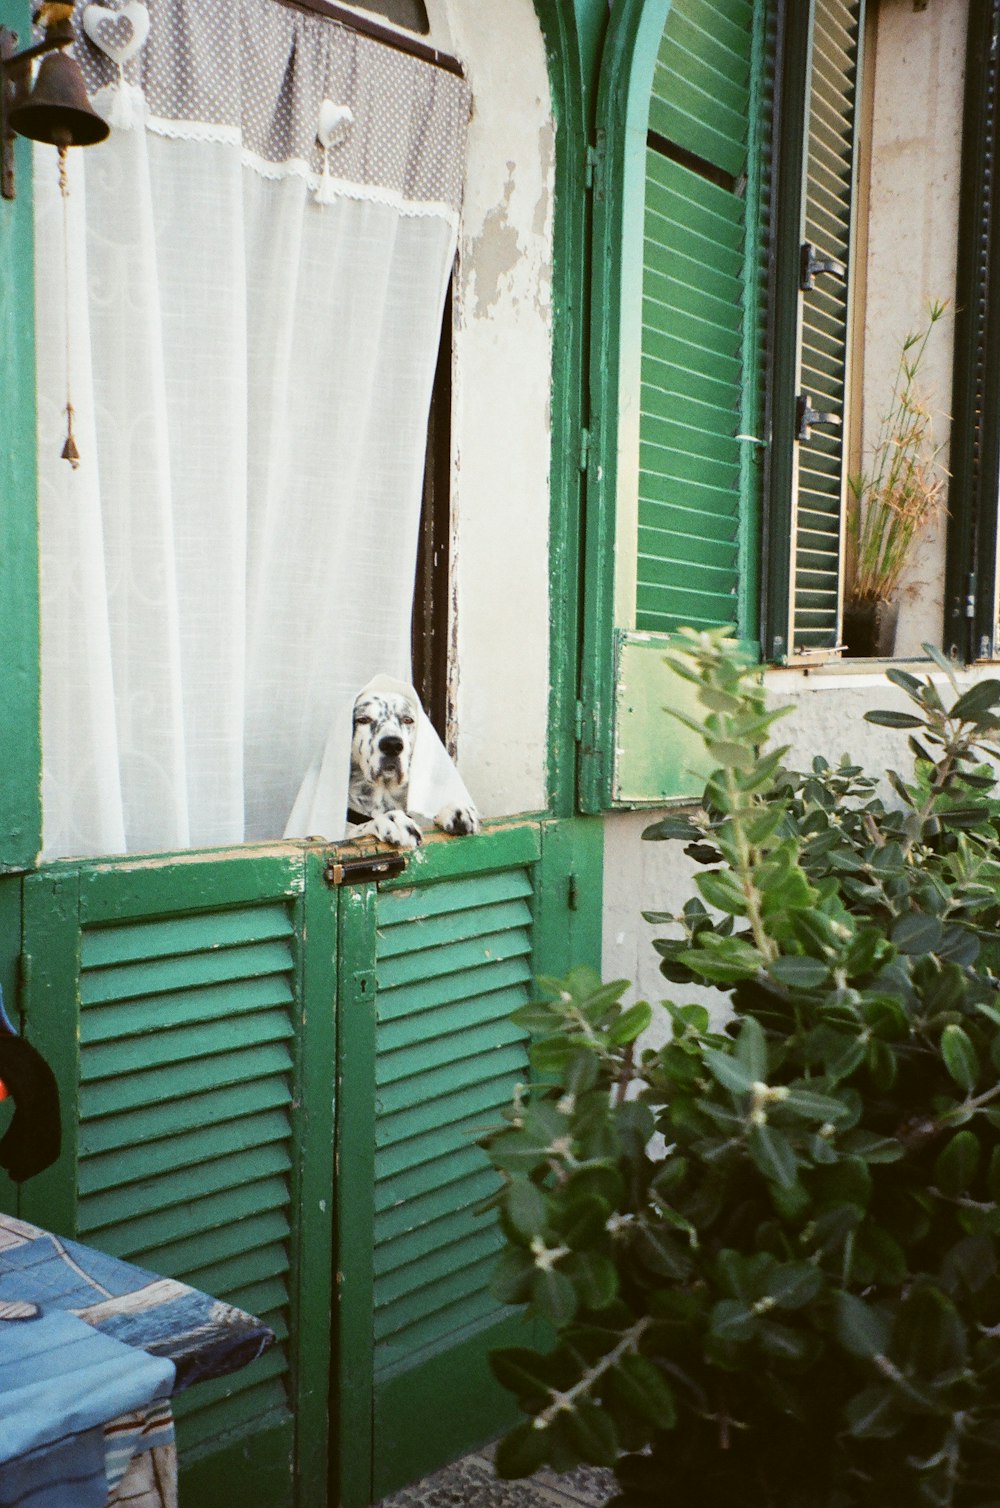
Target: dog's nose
<point>390,744</point>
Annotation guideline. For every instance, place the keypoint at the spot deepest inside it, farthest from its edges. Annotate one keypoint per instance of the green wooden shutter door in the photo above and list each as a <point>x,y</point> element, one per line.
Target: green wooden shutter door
<point>188,1079</point>
<point>829,204</point>
<point>693,368</point>
<point>456,943</point>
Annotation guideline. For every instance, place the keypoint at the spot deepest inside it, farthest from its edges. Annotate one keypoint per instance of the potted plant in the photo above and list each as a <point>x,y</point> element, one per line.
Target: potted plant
<point>893,502</point>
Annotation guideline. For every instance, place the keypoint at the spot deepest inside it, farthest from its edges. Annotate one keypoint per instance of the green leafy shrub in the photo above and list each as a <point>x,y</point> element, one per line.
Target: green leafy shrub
<point>790,1296</point>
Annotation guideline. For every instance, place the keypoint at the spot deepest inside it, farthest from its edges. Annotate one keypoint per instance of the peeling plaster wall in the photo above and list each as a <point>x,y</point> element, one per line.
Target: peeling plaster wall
<point>915,170</point>
<point>501,437</point>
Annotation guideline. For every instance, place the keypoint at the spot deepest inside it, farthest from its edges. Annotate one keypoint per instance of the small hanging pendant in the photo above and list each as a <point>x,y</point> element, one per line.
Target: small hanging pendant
<point>69,450</point>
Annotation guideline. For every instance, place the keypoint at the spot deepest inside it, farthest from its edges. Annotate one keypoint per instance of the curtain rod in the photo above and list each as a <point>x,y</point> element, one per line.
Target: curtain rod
<point>369,27</point>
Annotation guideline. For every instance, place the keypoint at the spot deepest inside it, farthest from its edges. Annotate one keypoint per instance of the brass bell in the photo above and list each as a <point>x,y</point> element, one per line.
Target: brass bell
<point>57,110</point>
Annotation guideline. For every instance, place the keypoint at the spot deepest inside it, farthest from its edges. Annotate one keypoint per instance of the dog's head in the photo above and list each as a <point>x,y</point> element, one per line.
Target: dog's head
<point>383,739</point>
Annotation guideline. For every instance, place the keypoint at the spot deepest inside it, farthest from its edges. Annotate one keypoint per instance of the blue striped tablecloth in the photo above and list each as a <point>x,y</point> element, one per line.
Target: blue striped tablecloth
<point>91,1350</point>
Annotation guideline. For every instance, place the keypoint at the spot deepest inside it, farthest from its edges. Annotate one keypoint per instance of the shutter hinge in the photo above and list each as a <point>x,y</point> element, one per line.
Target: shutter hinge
<point>970,595</point>
<point>573,892</point>
<point>584,448</point>
<point>578,722</point>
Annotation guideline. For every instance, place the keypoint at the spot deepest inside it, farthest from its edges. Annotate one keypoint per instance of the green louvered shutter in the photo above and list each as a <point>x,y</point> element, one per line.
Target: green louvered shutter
<point>693,365</point>
<point>456,944</point>
<point>186,1098</point>
<point>825,326</point>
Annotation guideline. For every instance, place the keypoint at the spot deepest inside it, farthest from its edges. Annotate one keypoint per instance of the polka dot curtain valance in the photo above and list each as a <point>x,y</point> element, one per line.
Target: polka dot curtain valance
<point>300,95</point>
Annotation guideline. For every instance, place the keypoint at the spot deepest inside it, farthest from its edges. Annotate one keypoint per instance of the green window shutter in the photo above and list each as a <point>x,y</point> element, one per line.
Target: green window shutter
<point>195,1096</point>
<point>688,558</point>
<point>823,374</point>
<point>674,492</point>
<point>429,1059</point>
<point>813,227</point>
<point>971,577</point>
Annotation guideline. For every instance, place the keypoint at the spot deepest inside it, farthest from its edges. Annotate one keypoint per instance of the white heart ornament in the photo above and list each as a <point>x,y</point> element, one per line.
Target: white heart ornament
<point>119,34</point>
<point>335,123</point>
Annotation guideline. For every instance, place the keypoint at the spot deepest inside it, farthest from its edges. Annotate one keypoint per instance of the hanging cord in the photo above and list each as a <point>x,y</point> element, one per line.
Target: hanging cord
<point>69,450</point>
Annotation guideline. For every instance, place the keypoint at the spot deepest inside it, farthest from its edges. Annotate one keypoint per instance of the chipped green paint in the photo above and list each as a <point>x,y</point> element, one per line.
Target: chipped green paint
<point>657,758</point>
<point>20,739</point>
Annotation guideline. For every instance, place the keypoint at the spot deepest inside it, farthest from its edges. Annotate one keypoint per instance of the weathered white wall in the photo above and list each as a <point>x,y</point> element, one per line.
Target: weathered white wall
<point>915,170</point>
<point>501,419</point>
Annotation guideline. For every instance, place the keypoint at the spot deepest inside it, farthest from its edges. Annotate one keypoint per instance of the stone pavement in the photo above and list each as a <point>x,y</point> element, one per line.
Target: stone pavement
<point>470,1483</point>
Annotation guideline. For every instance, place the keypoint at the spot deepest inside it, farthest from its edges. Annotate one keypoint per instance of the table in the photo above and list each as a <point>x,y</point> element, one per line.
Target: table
<point>92,1349</point>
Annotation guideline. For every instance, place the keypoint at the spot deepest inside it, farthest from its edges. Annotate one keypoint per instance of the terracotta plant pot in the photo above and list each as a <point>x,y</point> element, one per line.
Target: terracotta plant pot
<point>870,629</point>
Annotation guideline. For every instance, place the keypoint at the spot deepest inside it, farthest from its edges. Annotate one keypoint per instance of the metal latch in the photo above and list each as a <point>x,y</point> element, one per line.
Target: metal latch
<point>813,262</point>
<point>363,869</point>
<point>806,416</point>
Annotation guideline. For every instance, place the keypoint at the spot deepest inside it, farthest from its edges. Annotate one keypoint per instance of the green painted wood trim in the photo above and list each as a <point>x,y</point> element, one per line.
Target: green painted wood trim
<point>441,858</point>
<point>572,34</point>
<point>657,759</point>
<point>352,1402</point>
<point>313,1190</point>
<point>10,978</point>
<point>569,896</point>
<point>628,66</point>
<point>257,1470</point>
<point>124,889</point>
<point>792,67</point>
<point>20,733</point>
<point>443,1406</point>
<point>50,1003</point>
<point>974,455</point>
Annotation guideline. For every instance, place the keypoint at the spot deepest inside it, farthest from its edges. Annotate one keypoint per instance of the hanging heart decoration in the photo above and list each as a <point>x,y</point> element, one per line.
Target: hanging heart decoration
<point>335,122</point>
<point>119,34</point>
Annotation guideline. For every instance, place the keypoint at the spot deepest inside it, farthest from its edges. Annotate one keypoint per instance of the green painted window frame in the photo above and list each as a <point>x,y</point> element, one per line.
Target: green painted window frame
<point>625,759</point>
<point>20,695</point>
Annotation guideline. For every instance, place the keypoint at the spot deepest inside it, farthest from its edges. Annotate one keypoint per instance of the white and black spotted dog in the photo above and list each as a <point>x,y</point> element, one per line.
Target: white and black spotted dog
<point>381,751</point>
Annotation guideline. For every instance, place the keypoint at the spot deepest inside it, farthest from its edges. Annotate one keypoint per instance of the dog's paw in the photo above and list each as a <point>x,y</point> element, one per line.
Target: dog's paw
<point>458,820</point>
<point>396,828</point>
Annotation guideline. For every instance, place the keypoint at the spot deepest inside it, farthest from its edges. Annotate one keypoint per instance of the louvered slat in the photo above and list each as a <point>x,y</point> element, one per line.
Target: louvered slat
<point>688,564</point>
<point>823,370</point>
<point>454,960</point>
<point>186,1140</point>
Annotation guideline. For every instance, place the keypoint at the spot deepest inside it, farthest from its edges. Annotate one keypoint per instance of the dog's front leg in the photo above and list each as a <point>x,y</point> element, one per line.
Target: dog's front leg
<point>395,827</point>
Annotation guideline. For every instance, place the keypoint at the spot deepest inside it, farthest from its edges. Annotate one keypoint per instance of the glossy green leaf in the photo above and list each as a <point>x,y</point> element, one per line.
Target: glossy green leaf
<point>630,1024</point>
<point>526,1207</point>
<point>773,1154</point>
<point>862,1328</point>
<point>638,1385</point>
<point>522,1452</point>
<point>960,1057</point>
<point>592,1432</point>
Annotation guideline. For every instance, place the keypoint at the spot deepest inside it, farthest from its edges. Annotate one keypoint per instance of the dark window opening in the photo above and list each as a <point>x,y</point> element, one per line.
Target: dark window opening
<point>431,625</point>
<point>411,14</point>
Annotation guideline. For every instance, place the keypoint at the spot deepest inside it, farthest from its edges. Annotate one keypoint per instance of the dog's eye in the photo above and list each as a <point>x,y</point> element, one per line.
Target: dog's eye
<point>366,720</point>
<point>407,722</point>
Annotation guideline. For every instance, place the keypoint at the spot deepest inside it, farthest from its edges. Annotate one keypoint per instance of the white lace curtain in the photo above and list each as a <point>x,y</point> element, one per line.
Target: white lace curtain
<point>251,334</point>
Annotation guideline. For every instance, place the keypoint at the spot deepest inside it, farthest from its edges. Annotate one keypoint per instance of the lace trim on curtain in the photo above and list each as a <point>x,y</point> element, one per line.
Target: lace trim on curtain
<point>299,94</point>
<point>334,187</point>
